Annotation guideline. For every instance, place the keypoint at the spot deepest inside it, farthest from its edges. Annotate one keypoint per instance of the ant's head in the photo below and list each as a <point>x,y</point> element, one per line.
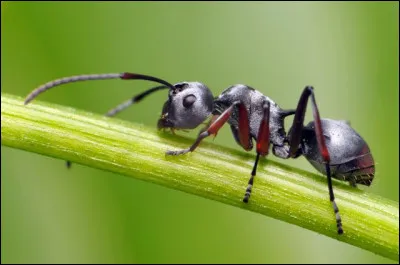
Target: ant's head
<point>188,105</point>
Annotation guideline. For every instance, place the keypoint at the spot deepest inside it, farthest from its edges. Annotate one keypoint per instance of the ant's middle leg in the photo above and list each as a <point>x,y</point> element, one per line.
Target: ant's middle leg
<point>262,148</point>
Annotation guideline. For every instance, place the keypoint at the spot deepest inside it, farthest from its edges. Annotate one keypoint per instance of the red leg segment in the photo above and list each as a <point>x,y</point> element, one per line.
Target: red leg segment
<point>244,128</point>
<point>262,148</point>
<point>215,126</point>
<point>295,138</point>
<point>263,133</point>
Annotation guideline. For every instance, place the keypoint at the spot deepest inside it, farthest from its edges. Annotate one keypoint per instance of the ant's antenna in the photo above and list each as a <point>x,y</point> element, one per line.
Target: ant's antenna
<point>65,80</point>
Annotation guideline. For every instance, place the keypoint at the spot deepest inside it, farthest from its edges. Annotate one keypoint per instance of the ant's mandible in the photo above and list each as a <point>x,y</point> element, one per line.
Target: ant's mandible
<point>332,147</point>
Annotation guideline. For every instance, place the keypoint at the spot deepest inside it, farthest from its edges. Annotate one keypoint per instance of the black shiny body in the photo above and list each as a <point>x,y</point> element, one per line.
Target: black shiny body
<point>350,156</point>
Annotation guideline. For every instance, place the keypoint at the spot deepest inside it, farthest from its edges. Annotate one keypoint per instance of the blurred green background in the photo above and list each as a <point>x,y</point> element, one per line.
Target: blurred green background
<point>347,51</point>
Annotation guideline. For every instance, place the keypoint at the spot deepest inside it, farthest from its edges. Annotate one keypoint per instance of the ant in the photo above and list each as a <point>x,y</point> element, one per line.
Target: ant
<point>332,147</point>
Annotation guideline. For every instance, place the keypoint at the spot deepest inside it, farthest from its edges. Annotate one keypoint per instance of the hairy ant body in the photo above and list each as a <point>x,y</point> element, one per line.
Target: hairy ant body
<point>332,147</point>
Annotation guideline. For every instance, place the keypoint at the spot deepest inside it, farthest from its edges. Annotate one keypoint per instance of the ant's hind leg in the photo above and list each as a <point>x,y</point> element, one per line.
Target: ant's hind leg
<point>295,136</point>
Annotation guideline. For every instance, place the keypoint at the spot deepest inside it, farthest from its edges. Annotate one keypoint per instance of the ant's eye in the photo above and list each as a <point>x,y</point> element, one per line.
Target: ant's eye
<point>188,101</point>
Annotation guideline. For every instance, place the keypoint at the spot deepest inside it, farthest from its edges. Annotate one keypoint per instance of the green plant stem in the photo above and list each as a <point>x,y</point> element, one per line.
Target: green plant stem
<point>214,172</point>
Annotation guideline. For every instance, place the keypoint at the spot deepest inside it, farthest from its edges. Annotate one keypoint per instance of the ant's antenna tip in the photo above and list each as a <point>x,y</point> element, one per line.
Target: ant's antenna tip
<point>28,99</point>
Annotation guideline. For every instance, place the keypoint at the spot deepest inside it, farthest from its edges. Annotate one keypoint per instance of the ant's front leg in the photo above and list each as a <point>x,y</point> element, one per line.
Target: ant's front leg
<point>242,135</point>
<point>214,127</point>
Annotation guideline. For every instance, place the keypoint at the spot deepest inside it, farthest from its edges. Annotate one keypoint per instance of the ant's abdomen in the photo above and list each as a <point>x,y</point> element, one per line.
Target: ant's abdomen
<point>360,170</point>
<point>350,157</point>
